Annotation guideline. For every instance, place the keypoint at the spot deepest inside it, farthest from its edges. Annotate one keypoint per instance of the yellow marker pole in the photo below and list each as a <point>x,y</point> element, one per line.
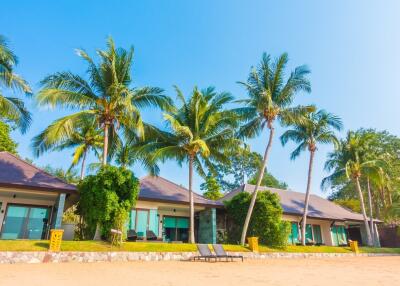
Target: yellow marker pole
<point>253,243</point>
<point>55,239</point>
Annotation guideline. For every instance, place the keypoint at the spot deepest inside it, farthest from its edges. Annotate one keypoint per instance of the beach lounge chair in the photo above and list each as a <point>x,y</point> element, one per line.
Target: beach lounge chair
<point>131,235</point>
<point>310,241</point>
<point>205,253</point>
<point>221,253</point>
<point>150,235</point>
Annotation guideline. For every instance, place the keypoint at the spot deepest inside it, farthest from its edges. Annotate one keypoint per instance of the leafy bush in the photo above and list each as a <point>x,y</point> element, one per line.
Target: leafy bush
<point>105,201</point>
<point>266,221</point>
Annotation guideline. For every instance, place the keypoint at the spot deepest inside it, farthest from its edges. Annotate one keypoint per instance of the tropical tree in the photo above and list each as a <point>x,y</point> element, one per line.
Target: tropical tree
<point>12,109</point>
<point>107,97</point>
<point>316,128</point>
<point>212,188</point>
<point>269,99</point>
<point>199,131</point>
<point>350,161</point>
<point>84,138</point>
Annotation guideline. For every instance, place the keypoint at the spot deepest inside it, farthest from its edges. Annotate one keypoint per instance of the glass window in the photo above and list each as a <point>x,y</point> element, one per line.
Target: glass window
<point>317,233</point>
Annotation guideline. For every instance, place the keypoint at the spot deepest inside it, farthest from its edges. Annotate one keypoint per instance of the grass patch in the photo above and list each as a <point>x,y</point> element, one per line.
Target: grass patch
<point>307,249</point>
<point>379,250</point>
<point>43,245</point>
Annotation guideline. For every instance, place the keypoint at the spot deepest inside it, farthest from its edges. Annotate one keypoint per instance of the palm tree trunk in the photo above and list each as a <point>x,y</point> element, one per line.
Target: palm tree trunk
<point>83,164</point>
<point>360,195</point>
<point>260,177</point>
<point>191,203</point>
<point>371,221</point>
<point>306,202</point>
<point>105,145</point>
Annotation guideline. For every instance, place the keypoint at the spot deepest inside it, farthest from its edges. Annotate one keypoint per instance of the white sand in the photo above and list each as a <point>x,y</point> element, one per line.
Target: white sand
<point>305,272</point>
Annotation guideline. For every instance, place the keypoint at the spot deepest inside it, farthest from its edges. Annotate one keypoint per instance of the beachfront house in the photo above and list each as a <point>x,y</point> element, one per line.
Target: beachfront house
<point>31,200</point>
<point>327,222</point>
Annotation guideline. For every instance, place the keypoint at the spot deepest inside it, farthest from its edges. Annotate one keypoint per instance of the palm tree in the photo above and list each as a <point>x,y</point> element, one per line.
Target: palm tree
<point>350,161</point>
<point>270,99</point>
<point>316,128</point>
<point>85,137</point>
<point>199,131</point>
<point>11,108</point>
<point>107,97</point>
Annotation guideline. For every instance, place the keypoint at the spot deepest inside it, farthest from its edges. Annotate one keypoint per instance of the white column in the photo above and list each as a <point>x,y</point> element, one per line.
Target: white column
<point>59,211</point>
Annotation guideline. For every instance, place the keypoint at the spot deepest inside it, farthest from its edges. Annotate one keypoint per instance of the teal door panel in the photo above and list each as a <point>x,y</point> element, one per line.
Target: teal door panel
<point>153,221</point>
<point>309,234</point>
<point>317,233</point>
<point>37,222</point>
<point>14,224</point>
<point>142,222</point>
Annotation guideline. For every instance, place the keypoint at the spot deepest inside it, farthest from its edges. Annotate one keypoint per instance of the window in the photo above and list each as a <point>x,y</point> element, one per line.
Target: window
<point>142,220</point>
<point>339,236</point>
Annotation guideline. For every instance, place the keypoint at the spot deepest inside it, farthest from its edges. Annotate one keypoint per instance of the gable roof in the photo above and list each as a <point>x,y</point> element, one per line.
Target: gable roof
<point>163,190</point>
<point>293,204</point>
<point>17,173</point>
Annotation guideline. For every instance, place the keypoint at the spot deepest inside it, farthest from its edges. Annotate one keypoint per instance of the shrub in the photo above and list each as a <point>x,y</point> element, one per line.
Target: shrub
<point>266,221</point>
<point>105,201</point>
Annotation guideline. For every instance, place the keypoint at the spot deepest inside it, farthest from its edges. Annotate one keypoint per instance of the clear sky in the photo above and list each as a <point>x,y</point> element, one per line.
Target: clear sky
<point>351,47</point>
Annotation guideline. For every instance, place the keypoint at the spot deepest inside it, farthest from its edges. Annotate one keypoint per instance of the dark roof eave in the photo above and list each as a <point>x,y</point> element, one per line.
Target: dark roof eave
<point>179,202</point>
<point>37,188</point>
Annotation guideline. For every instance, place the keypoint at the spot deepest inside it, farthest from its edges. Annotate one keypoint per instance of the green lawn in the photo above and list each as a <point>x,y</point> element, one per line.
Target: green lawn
<point>42,245</point>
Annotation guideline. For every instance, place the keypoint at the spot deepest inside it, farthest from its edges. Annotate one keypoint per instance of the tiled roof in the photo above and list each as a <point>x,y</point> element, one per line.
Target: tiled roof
<point>293,203</point>
<point>15,172</point>
<point>160,189</point>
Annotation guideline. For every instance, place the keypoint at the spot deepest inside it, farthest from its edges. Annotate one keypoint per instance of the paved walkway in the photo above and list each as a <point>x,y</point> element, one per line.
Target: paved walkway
<point>362,271</point>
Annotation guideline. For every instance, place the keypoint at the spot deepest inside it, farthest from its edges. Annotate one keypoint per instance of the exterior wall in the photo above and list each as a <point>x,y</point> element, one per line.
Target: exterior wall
<point>208,226</point>
<point>166,209</point>
<point>27,197</point>
<point>324,224</point>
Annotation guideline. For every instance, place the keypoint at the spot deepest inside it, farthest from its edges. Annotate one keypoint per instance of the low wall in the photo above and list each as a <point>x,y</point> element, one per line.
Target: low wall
<point>11,257</point>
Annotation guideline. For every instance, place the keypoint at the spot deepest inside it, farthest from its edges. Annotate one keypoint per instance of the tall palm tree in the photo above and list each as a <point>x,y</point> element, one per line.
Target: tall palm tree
<point>84,137</point>
<point>350,161</point>
<point>270,99</point>
<point>107,97</point>
<point>316,128</point>
<point>199,131</point>
<point>11,108</point>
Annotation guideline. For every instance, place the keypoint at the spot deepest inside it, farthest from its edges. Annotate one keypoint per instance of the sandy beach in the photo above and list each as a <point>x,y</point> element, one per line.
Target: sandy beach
<point>333,271</point>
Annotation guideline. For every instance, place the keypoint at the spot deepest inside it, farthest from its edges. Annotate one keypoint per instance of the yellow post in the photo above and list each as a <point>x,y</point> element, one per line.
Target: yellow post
<point>354,246</point>
<point>253,243</point>
<point>55,239</point>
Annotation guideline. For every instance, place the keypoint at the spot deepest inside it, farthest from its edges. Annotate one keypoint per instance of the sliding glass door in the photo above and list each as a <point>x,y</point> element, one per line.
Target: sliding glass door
<point>25,222</point>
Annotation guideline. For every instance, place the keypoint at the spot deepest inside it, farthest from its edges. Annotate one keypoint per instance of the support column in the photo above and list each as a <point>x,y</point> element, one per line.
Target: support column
<point>59,211</point>
<point>214,225</point>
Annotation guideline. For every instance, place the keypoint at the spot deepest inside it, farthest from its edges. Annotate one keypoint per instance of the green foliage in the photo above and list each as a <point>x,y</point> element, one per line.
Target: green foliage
<point>70,176</point>
<point>266,221</point>
<point>352,204</point>
<point>106,199</point>
<point>269,181</point>
<point>6,143</point>
<point>242,167</point>
<point>212,188</point>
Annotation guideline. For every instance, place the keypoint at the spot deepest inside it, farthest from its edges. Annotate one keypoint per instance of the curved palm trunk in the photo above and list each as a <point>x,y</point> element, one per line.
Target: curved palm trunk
<point>83,164</point>
<point>307,199</point>
<point>360,195</point>
<point>260,177</point>
<point>191,203</point>
<point>105,145</point>
<point>371,221</point>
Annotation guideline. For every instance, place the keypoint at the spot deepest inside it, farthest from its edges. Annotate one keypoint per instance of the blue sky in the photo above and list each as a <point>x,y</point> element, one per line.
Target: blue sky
<point>350,46</point>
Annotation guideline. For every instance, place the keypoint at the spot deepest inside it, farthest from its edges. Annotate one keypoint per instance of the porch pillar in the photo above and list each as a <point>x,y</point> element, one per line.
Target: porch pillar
<point>59,211</point>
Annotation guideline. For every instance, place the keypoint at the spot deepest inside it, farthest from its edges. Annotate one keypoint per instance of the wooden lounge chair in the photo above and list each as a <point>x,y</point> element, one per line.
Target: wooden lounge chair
<point>150,235</point>
<point>205,253</point>
<point>221,253</point>
<point>131,235</point>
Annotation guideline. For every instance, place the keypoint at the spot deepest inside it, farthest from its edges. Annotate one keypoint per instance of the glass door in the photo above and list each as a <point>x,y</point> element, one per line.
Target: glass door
<point>142,222</point>
<point>25,222</point>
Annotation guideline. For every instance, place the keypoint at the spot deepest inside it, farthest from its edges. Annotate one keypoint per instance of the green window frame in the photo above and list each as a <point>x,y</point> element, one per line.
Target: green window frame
<point>317,233</point>
<point>339,235</point>
<point>294,233</point>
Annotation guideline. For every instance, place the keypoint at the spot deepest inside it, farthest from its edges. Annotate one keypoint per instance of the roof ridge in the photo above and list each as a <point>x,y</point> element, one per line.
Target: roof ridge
<point>36,168</point>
